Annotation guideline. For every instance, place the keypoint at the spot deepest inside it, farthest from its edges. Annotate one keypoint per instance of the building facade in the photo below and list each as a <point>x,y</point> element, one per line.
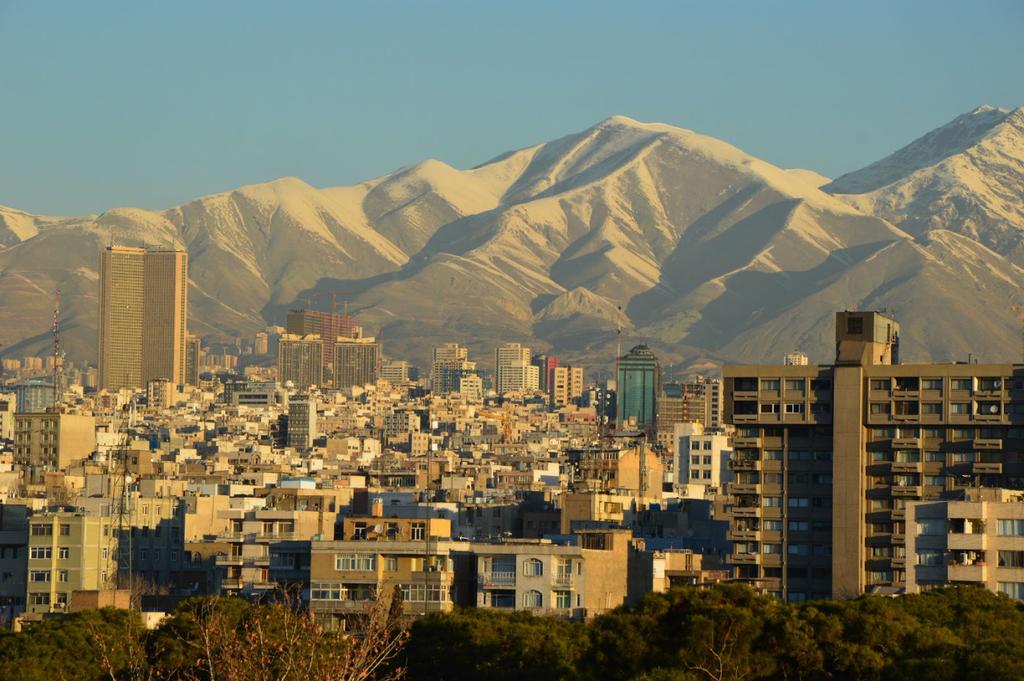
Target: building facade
<point>638,384</point>
<point>143,316</point>
<point>300,360</point>
<point>356,362</point>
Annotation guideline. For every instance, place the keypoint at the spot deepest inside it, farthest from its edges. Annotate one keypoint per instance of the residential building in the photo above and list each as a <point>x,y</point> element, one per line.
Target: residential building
<point>8,407</point>
<point>330,326</point>
<point>395,371</point>
<point>52,441</point>
<point>33,396</point>
<point>977,539</point>
<point>565,386</point>
<point>513,370</point>
<point>300,361</point>
<point>637,389</point>
<point>450,363</point>
<point>836,453</point>
<point>143,316</point>
<point>193,360</point>
<point>13,560</point>
<point>302,422</point>
<point>545,370</point>
<point>356,362</point>
<point>68,552</point>
<point>701,460</point>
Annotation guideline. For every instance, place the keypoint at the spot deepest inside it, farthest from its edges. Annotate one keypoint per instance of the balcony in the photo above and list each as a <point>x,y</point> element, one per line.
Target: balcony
<point>986,468</point>
<point>987,443</point>
<point>228,561</point>
<point>563,579</point>
<point>745,488</point>
<point>745,558</point>
<point>746,511</point>
<point>498,579</point>
<point>232,584</point>
<point>906,443</point>
<point>966,573</point>
<point>906,466</point>
<point>744,464</point>
<point>904,491</point>
<point>754,442</point>
<point>743,535</point>
<point>966,542</point>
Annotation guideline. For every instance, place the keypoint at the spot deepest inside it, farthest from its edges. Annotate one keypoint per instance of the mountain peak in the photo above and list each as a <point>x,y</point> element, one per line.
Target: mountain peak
<point>955,137</point>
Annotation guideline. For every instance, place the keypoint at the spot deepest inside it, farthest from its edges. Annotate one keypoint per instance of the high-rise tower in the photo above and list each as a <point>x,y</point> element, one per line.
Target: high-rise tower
<point>143,316</point>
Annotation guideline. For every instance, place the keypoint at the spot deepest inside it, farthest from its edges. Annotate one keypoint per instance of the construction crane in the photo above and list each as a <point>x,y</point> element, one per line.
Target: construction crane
<point>1019,309</point>
<point>316,295</point>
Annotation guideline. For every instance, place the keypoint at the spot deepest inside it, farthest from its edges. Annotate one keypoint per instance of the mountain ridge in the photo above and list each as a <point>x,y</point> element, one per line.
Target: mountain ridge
<point>676,238</point>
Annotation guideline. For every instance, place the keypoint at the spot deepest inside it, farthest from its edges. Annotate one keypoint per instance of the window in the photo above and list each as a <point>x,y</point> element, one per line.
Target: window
<point>798,502</point>
<point>357,561</point>
<point>695,444</point>
<point>794,407</point>
<point>935,457</point>
<point>935,480</point>
<point>707,460</point>
<point>929,557</point>
<point>771,502</point>
<point>960,408</point>
<point>707,445</point>
<point>880,408</point>
<point>533,599</point>
<point>1010,528</point>
<point>62,575</point>
<point>532,567</point>
<point>798,549</point>
<point>795,384</point>
<point>931,384</point>
<point>745,384</point>
<point>694,474</point>
<point>799,526</point>
<point>771,525</point>
<point>990,383</point>
<point>418,531</point>
<point>989,408</point>
<point>769,408</point>
<point>931,526</point>
<point>1012,589</point>
<point>39,576</point>
<point>39,599</point>
<point>931,407</point>
<point>1011,559</point>
<point>63,553</point>
<point>40,552</point>
<point>959,384</point>
<point>880,383</point>
<point>707,474</point>
<point>908,456</point>
<point>771,548</point>
<point>65,530</point>
<point>42,530</point>
<point>773,455</point>
<point>563,600</point>
<point>770,384</point>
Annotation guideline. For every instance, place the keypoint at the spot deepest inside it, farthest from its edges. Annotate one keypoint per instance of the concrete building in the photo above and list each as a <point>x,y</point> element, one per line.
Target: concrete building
<point>300,360</point>
<point>545,370</point>
<point>701,460</point>
<point>161,394</point>
<point>450,363</point>
<point>395,371</point>
<point>565,386</point>
<point>52,441</point>
<point>143,316</point>
<point>356,362</point>
<point>33,396</point>
<point>67,553</point>
<point>978,539</point>
<point>638,383</point>
<point>330,326</point>
<point>193,360</point>
<point>13,556</point>
<point>836,452</point>
<point>513,370</point>
<point>302,422</point>
<point>8,407</point>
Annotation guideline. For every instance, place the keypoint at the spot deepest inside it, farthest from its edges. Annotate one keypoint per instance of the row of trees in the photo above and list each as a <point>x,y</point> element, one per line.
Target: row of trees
<point>727,633</point>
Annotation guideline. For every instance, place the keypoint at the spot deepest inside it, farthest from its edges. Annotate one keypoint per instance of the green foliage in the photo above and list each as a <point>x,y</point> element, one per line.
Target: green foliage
<point>727,633</point>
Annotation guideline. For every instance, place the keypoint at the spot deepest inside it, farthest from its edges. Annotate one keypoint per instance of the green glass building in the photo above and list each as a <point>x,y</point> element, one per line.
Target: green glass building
<point>637,389</point>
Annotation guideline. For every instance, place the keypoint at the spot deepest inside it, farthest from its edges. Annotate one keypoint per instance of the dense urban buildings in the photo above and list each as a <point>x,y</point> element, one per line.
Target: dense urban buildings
<point>143,316</point>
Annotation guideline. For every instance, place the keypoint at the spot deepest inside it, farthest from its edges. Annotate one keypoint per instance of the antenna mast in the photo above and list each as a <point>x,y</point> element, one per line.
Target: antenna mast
<point>58,354</point>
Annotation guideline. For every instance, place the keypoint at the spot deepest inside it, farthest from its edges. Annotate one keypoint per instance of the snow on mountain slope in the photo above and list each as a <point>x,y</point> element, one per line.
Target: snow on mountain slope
<point>966,177</point>
<point>677,238</point>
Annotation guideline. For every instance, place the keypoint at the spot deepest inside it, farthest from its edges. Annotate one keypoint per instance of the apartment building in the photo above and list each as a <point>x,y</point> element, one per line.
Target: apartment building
<point>978,539</point>
<point>827,457</point>
<point>13,552</point>
<point>377,555</point>
<point>265,547</point>
<point>300,360</point>
<point>68,552</point>
<point>576,580</point>
<point>701,460</point>
<point>51,441</point>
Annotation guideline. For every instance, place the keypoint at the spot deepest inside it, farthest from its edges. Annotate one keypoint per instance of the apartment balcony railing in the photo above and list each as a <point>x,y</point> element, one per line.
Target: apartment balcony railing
<point>498,578</point>
<point>563,579</point>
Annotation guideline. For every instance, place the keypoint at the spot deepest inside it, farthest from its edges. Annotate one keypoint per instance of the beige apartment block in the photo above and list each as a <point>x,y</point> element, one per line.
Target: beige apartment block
<point>976,540</point>
<point>300,360</point>
<point>68,552</point>
<point>52,441</point>
<point>357,362</point>
<point>143,320</point>
<point>831,456</point>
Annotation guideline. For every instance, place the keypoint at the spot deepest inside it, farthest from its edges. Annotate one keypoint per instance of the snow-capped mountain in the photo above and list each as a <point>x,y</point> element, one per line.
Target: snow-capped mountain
<point>673,237</point>
<point>966,176</point>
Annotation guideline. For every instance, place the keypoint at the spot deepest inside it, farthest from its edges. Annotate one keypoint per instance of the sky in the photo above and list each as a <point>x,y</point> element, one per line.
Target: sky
<point>147,104</point>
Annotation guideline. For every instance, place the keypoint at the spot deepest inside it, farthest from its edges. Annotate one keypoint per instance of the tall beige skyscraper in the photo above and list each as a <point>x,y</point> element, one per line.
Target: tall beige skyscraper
<point>143,316</point>
<point>513,370</point>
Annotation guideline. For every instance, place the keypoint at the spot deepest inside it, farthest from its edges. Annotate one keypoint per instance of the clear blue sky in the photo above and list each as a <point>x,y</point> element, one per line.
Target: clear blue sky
<point>148,104</point>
